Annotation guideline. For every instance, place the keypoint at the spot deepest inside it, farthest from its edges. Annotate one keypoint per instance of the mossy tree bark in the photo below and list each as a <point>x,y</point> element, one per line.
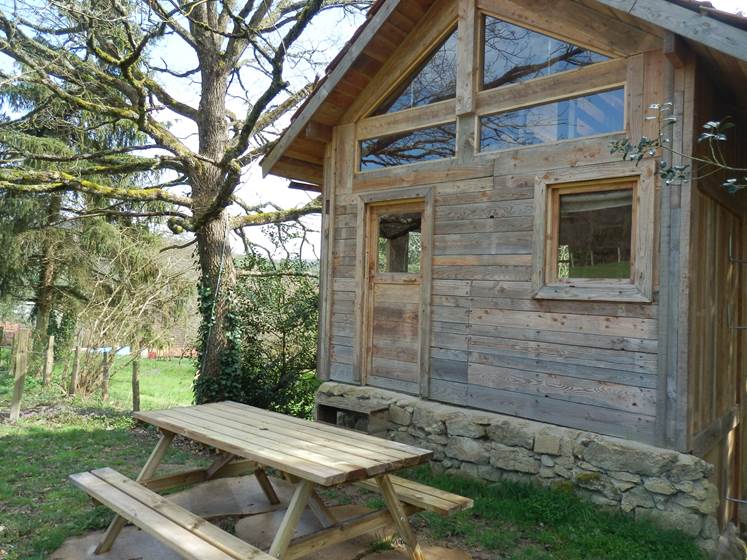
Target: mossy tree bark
<point>103,59</point>
<point>45,288</point>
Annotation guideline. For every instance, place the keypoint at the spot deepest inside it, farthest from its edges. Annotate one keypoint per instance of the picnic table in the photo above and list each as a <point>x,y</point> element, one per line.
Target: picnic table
<point>251,440</point>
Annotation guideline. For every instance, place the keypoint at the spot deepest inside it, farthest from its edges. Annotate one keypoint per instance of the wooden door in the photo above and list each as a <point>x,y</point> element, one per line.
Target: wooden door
<point>391,331</point>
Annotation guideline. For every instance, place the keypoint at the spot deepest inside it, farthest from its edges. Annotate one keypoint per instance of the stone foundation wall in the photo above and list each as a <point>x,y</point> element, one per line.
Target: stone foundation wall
<point>647,482</point>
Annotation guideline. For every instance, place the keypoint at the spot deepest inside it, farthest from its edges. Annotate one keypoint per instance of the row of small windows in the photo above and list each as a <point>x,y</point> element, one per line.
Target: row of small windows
<point>511,54</point>
<point>598,113</point>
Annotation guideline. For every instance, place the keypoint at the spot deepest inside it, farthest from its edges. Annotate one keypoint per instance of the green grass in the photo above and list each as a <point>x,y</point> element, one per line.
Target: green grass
<point>605,270</point>
<point>528,522</point>
<point>168,382</point>
<point>39,509</point>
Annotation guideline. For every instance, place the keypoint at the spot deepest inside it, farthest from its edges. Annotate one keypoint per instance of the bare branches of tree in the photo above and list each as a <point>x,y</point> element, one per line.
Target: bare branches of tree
<point>200,87</point>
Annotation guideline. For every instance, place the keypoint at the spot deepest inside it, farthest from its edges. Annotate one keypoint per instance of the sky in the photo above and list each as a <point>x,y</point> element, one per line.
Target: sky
<point>731,5</point>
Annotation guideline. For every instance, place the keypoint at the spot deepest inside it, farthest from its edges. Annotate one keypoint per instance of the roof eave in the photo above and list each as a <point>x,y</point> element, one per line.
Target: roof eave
<point>372,25</point>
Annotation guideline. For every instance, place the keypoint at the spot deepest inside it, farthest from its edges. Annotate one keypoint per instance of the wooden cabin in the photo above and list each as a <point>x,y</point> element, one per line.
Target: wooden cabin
<point>483,246</point>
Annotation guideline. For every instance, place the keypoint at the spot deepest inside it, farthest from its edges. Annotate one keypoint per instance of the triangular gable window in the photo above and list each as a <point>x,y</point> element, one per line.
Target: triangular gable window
<point>514,54</point>
<point>433,81</point>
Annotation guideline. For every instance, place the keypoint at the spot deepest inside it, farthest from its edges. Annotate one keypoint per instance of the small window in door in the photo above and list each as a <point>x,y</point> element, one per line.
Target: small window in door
<point>399,243</point>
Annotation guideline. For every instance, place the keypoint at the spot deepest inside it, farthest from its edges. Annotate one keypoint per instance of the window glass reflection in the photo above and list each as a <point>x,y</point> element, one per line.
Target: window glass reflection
<point>599,113</point>
<point>399,243</point>
<point>595,235</point>
<point>434,80</point>
<point>426,144</point>
<point>513,54</point>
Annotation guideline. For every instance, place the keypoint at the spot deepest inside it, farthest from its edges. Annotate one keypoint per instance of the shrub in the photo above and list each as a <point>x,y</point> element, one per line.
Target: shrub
<point>272,327</point>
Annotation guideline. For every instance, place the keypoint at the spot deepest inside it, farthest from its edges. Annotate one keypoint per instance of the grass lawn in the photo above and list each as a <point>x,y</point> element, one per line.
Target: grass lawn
<point>58,436</point>
<point>39,509</point>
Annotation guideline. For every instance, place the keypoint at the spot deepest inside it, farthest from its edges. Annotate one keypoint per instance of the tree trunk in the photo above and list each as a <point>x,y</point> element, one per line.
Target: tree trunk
<point>219,276</point>
<point>45,289</point>
<point>213,244</point>
<point>136,379</point>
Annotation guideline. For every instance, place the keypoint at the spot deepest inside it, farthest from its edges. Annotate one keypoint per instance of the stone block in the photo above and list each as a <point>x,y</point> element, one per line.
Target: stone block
<point>625,476</point>
<point>489,473</point>
<point>546,472</point>
<point>689,467</point>
<point>597,482</point>
<point>622,485</point>
<point>619,455</point>
<point>466,449</point>
<point>638,497</point>
<point>470,470</point>
<point>400,415</point>
<point>547,442</point>
<point>547,461</point>
<point>512,433</point>
<point>516,459</point>
<point>431,416</point>
<point>676,518</point>
<point>660,486</point>
<point>462,426</point>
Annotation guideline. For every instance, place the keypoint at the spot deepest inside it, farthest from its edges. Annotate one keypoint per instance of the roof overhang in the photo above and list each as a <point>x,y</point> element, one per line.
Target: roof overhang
<point>299,152</point>
<point>699,23</point>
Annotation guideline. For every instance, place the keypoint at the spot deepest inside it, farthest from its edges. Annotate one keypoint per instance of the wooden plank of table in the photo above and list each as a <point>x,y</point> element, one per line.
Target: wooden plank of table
<point>230,544</point>
<point>265,439</point>
<point>416,498</point>
<point>269,437</point>
<point>342,531</point>
<point>349,443</point>
<point>377,443</point>
<point>325,433</point>
<point>149,468</point>
<point>194,476</point>
<point>325,476</point>
<point>363,457</point>
<point>155,524</point>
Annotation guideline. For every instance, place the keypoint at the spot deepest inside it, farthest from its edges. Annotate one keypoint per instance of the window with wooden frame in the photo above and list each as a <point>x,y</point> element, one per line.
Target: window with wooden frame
<point>568,119</point>
<point>512,54</point>
<point>593,237</point>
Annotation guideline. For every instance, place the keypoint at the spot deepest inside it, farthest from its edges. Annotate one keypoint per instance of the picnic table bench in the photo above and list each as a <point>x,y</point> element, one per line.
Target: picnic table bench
<point>308,454</point>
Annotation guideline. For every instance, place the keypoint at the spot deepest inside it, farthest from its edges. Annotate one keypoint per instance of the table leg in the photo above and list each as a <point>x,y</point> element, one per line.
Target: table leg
<point>287,527</point>
<point>222,460</point>
<point>146,473</point>
<point>400,517</point>
<point>266,486</point>
<point>316,505</point>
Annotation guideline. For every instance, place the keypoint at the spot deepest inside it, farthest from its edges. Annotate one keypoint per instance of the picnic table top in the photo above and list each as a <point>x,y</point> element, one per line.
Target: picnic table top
<point>317,452</point>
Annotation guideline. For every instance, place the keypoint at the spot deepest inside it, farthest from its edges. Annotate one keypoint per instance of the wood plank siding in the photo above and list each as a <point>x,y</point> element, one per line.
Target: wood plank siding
<point>717,307</point>
<point>585,364</point>
<point>655,359</point>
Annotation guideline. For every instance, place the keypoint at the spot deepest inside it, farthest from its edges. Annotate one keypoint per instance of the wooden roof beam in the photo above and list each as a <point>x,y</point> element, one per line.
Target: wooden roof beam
<point>692,25</point>
<point>675,50</point>
<point>319,132</point>
<point>348,60</point>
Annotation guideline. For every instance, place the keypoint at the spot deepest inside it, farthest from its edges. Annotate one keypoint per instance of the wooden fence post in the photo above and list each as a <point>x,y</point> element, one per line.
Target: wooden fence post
<point>73,387</point>
<point>20,366</point>
<point>105,373</point>
<point>49,362</point>
<point>136,382</point>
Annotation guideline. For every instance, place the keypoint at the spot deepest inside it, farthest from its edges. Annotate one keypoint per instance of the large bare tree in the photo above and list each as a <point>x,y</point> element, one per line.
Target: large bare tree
<point>152,63</point>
